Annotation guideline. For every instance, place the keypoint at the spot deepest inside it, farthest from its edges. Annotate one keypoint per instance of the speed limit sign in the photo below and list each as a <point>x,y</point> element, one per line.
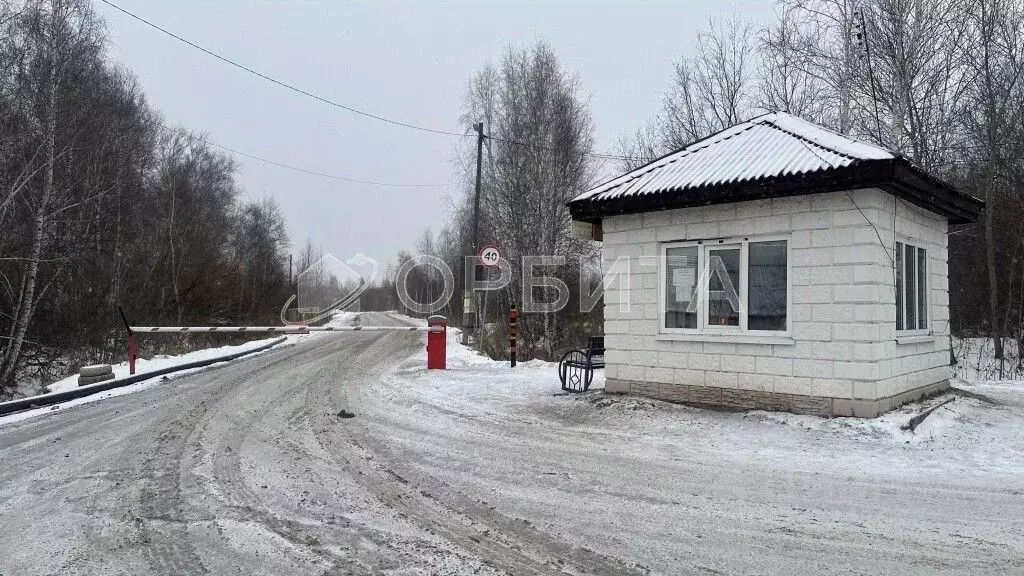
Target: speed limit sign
<point>489,255</point>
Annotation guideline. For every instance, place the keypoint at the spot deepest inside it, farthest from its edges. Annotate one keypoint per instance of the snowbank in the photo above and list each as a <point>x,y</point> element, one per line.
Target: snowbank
<point>143,365</point>
<point>159,361</point>
<point>468,368</point>
<point>987,434</point>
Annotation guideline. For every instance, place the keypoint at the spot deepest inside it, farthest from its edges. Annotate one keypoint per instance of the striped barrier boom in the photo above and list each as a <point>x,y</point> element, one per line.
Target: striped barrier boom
<point>82,391</point>
<point>297,329</point>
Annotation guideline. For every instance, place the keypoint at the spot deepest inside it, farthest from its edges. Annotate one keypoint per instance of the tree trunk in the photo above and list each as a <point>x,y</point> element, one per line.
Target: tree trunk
<point>27,298</point>
<point>990,262</point>
<point>175,285</point>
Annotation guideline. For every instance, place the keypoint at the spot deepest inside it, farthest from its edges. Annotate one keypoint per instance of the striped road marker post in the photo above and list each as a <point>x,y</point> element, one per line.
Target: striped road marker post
<point>513,319</point>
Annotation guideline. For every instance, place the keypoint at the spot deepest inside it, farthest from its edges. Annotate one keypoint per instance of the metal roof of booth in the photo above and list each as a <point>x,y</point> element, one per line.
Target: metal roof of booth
<point>772,155</point>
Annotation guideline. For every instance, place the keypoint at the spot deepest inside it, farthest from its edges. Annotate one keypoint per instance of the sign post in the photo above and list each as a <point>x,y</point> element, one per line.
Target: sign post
<point>488,257</point>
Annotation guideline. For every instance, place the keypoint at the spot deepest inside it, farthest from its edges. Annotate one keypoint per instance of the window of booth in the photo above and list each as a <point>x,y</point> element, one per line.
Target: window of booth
<point>729,286</point>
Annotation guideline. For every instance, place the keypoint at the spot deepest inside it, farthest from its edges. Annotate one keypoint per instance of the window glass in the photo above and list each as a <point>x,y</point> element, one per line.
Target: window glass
<point>922,289</point>
<point>681,287</point>
<point>910,279</point>
<point>911,287</point>
<point>727,286</point>
<point>899,286</point>
<point>766,286</point>
<point>723,270</point>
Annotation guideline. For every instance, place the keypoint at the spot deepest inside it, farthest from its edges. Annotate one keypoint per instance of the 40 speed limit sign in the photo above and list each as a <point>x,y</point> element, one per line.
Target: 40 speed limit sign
<point>489,256</point>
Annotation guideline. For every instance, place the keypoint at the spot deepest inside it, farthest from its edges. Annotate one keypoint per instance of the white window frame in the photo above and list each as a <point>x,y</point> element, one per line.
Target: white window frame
<point>917,245</point>
<point>704,246</point>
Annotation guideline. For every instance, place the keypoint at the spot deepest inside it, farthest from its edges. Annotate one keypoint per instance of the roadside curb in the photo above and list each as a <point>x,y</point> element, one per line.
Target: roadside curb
<point>20,404</point>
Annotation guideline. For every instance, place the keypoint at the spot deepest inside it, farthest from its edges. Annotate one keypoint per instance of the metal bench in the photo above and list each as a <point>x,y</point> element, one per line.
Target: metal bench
<point>576,368</point>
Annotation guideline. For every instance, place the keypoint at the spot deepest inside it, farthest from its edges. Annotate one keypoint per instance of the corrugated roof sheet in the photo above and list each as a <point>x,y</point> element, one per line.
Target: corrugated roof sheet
<point>771,145</point>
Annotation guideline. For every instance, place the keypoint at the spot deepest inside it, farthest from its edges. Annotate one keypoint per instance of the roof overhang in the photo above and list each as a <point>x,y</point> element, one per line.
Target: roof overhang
<point>896,176</point>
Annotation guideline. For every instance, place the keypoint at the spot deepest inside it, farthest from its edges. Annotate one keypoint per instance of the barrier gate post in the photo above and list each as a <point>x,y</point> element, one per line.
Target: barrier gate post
<point>437,342</point>
<point>131,341</point>
<point>131,354</point>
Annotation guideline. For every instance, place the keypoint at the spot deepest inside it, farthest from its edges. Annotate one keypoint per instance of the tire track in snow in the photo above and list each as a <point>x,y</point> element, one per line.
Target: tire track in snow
<point>513,546</point>
<point>271,422</point>
<point>162,523</point>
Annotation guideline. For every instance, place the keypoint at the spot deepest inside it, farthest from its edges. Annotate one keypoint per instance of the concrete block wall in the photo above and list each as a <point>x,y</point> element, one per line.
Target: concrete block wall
<point>842,343</point>
<point>913,363</point>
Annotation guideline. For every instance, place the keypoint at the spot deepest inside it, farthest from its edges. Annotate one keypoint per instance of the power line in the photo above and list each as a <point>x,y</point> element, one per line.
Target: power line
<point>209,142</point>
<point>857,206</point>
<point>276,81</point>
<point>330,102</point>
<point>552,149</point>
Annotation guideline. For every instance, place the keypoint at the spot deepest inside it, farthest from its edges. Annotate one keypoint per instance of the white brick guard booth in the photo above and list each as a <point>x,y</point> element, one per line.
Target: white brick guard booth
<point>812,232</point>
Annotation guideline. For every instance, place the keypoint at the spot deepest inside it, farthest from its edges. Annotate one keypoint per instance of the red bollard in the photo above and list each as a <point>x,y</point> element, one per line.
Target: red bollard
<point>131,353</point>
<point>437,342</point>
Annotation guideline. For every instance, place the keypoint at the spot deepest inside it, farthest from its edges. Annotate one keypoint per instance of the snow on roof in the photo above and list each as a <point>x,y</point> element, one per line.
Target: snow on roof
<point>770,145</point>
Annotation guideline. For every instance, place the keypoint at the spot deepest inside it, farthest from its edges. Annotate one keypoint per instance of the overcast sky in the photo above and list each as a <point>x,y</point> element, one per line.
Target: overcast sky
<point>405,60</point>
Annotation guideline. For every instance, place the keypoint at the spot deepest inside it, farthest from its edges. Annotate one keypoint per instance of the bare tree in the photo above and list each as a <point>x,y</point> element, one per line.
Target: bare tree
<point>639,148</point>
<point>915,77</point>
<point>787,83</point>
<point>994,119</point>
<point>101,206</point>
<point>722,80</point>
<point>62,29</point>
<point>540,132</point>
<point>823,47</point>
<point>711,89</point>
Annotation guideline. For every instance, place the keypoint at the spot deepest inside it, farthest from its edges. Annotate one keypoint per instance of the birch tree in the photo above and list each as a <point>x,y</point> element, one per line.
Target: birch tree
<point>824,48</point>
<point>915,77</point>
<point>787,82</point>
<point>65,27</point>
<point>102,206</point>
<point>539,134</point>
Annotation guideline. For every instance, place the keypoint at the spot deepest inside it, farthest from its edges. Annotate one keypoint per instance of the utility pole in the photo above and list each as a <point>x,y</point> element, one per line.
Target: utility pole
<point>476,224</point>
<point>469,296</point>
<point>862,38</point>
<point>476,196</point>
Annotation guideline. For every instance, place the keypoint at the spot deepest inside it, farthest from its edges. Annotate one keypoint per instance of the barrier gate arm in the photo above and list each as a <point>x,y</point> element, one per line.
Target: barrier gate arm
<point>436,330</point>
<point>295,329</point>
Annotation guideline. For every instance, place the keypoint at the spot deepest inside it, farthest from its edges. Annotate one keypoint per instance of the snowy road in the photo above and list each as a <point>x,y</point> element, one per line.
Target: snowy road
<point>248,469</point>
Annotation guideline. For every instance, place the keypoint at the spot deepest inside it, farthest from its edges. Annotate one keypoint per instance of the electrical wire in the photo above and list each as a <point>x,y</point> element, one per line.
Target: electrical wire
<point>600,155</point>
<point>854,202</point>
<point>330,102</point>
<point>276,81</point>
<point>209,142</point>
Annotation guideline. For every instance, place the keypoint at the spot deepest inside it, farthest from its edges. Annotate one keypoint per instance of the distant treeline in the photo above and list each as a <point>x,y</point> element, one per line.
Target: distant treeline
<point>103,206</point>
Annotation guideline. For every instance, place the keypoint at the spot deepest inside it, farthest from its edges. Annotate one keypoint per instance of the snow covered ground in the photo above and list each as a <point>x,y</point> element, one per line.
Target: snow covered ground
<point>344,455</point>
<point>971,432</point>
<point>742,492</point>
<point>982,429</point>
<point>967,423</point>
<point>159,361</point>
<point>674,489</point>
